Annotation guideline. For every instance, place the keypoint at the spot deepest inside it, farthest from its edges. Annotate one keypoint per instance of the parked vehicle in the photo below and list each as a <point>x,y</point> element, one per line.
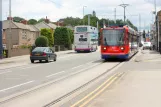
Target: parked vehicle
<point>147,45</point>
<point>135,45</point>
<point>116,42</point>
<point>85,38</point>
<point>42,53</point>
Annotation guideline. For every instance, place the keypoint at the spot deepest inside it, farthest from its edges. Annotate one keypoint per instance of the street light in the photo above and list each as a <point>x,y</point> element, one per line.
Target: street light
<point>124,6</point>
<point>83,13</point>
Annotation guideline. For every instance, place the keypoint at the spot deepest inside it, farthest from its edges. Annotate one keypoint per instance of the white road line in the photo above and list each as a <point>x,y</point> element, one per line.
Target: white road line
<point>5,72</point>
<point>77,67</point>
<point>29,67</point>
<point>86,68</point>
<point>90,62</point>
<point>54,74</point>
<point>16,86</point>
<point>72,73</point>
<point>75,72</point>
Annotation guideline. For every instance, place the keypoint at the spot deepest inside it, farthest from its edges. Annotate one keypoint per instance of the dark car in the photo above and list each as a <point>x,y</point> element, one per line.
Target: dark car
<point>42,53</point>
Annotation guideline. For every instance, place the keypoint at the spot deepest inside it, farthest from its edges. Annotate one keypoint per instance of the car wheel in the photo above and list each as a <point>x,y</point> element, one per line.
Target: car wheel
<point>47,60</point>
<point>32,61</point>
<point>40,61</point>
<point>55,59</point>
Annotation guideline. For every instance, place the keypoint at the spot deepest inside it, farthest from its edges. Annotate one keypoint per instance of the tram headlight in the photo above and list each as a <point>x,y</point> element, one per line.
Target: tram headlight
<point>122,48</point>
<point>104,48</point>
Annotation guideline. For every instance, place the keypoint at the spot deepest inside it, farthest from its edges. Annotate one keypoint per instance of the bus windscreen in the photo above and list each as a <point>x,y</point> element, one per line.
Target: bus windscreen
<point>81,29</point>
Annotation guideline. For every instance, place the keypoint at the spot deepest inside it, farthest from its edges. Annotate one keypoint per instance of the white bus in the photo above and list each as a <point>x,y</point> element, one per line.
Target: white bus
<point>85,38</point>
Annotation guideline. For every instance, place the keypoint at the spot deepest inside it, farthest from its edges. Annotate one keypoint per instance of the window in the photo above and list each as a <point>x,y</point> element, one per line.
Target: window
<point>39,49</point>
<point>81,29</point>
<point>113,37</point>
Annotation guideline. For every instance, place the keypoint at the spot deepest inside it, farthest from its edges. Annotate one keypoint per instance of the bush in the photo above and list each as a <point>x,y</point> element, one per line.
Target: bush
<point>42,41</point>
<point>49,34</point>
<point>63,36</point>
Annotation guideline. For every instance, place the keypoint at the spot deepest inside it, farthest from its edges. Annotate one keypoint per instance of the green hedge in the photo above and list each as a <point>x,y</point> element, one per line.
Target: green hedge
<point>42,41</point>
<point>63,36</point>
<point>49,34</point>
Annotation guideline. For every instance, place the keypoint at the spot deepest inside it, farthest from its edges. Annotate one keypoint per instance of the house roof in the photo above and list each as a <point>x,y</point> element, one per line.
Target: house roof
<point>21,26</point>
<point>52,25</point>
<point>6,24</point>
<point>14,25</point>
<point>32,28</point>
<point>42,25</point>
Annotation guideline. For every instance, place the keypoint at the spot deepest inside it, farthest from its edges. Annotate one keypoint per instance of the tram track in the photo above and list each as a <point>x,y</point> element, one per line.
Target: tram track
<point>55,101</point>
<point>20,94</point>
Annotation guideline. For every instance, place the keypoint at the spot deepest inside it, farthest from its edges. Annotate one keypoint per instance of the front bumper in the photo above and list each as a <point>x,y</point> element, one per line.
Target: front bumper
<point>119,56</point>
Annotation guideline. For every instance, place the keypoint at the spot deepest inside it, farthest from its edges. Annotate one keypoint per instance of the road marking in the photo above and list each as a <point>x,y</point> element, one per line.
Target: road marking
<point>98,93</point>
<point>77,67</point>
<point>16,86</point>
<point>29,67</point>
<point>90,62</point>
<point>54,74</point>
<point>110,80</point>
<point>5,72</point>
<point>72,73</point>
<point>86,68</point>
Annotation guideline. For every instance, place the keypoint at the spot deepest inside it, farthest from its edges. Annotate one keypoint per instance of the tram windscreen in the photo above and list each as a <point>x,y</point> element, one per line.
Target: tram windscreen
<point>113,37</point>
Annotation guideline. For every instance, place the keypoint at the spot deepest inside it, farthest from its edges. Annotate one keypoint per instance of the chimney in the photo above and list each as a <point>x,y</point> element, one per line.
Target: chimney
<point>9,18</point>
<point>47,20</point>
<point>24,22</point>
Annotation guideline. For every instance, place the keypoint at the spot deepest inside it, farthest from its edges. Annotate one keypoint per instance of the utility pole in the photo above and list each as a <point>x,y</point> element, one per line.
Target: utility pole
<point>97,24</point>
<point>1,44</point>
<point>9,38</point>
<point>83,13</point>
<point>124,6</point>
<point>115,15</point>
<point>89,20</point>
<point>104,26</point>
<point>155,13</point>
<point>139,23</point>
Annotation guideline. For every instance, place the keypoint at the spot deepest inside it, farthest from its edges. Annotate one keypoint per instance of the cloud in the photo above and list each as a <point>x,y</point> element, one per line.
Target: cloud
<point>56,9</point>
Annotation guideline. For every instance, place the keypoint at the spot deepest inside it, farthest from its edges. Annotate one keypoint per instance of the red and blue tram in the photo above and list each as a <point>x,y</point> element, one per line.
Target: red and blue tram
<point>118,42</point>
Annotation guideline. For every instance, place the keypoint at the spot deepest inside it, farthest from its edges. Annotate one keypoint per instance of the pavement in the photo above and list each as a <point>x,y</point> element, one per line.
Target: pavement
<point>139,87</point>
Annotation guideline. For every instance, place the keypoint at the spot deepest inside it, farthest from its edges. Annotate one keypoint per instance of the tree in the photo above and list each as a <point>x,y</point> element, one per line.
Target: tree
<point>32,21</point>
<point>17,19</point>
<point>42,41</point>
<point>41,20</point>
<point>49,34</point>
<point>93,20</point>
<point>72,21</point>
<point>63,36</point>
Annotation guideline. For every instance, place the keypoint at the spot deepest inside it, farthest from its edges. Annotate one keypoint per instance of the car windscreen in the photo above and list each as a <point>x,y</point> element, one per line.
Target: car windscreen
<point>39,49</point>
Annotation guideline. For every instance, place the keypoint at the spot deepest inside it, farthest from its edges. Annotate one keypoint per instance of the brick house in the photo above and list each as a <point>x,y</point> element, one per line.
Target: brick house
<point>22,34</point>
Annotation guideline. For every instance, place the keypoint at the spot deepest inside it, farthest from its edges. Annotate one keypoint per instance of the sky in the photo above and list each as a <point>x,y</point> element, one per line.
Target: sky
<point>56,9</point>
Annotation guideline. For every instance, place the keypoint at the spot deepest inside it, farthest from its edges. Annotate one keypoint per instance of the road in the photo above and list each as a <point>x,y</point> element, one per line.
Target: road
<point>83,80</point>
<point>24,77</point>
<point>46,82</point>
